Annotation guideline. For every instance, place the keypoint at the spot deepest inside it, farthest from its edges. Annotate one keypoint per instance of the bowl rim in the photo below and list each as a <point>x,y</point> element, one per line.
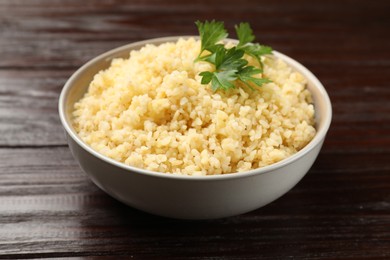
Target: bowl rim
<point>320,134</point>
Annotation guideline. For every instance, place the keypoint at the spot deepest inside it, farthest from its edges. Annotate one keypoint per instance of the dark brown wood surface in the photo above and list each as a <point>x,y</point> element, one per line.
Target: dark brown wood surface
<point>48,208</point>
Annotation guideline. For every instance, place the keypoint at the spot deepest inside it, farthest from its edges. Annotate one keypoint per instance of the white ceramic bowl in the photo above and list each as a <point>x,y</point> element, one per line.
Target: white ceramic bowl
<point>189,197</point>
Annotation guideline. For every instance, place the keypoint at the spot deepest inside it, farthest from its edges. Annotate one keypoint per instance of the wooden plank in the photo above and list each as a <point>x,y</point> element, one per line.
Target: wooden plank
<point>28,107</point>
<point>49,208</point>
<point>43,176</point>
<point>81,31</point>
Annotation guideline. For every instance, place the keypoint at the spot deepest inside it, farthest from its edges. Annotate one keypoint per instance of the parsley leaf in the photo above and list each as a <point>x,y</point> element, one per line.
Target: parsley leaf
<point>221,79</point>
<point>244,34</point>
<point>210,33</point>
<point>256,50</point>
<point>230,59</point>
<point>230,64</point>
<point>247,73</point>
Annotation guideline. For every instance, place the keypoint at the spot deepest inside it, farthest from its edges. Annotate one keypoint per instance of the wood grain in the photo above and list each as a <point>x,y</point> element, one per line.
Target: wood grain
<point>52,204</point>
<point>28,107</point>
<point>50,209</point>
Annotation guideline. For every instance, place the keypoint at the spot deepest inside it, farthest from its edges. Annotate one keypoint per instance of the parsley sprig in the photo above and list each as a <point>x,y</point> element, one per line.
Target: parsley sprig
<point>230,64</point>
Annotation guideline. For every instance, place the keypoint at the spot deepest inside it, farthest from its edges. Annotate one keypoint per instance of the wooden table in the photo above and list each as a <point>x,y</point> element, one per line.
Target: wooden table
<point>48,208</point>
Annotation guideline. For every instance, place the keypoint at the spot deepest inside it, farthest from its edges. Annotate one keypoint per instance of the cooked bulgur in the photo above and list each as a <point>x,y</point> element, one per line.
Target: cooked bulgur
<point>151,111</point>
